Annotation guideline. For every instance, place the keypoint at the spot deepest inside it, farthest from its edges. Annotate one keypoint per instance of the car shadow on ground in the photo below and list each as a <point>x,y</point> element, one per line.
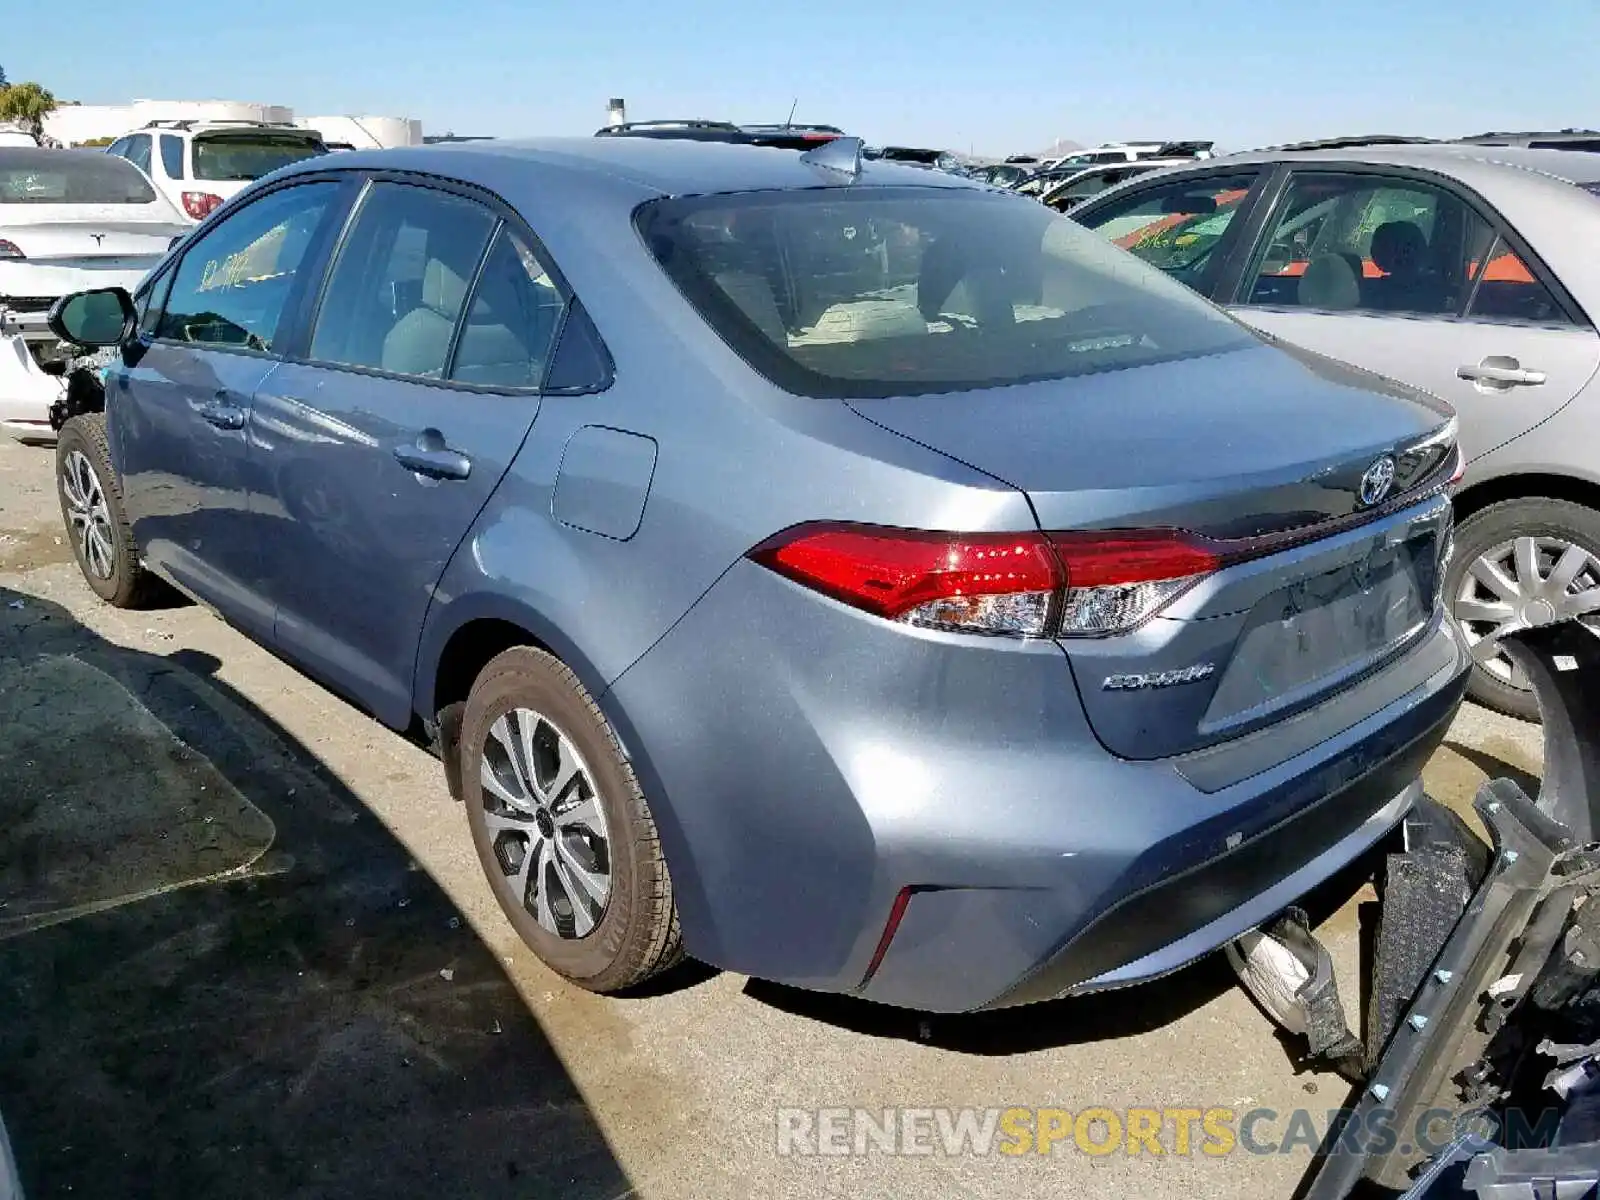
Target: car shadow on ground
<point>222,976</point>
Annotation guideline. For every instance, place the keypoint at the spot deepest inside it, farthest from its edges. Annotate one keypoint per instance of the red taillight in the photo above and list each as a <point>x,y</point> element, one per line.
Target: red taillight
<point>1120,578</point>
<point>201,205</point>
<point>1132,556</point>
<point>1024,584</point>
<point>990,582</point>
<point>10,250</point>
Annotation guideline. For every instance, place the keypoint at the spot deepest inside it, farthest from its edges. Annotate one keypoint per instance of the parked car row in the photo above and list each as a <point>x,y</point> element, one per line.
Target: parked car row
<point>71,219</point>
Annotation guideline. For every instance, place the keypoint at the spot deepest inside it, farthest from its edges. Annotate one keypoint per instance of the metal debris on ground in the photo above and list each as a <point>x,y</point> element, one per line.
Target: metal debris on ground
<point>447,974</point>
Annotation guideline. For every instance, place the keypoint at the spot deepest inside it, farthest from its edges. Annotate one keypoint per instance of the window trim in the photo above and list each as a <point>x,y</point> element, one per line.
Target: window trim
<point>1416,176</point>
<point>297,349</point>
<point>315,260</point>
<point>1216,275</point>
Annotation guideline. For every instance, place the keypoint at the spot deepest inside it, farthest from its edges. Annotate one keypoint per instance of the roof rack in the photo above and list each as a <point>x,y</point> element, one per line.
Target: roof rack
<point>1186,149</point>
<point>188,123</point>
<point>1548,138</point>
<point>1351,141</point>
<point>791,127</point>
<point>635,126</point>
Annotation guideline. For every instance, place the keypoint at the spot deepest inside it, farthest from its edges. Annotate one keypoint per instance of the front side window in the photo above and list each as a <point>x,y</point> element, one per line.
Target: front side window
<point>70,177</point>
<point>172,155</point>
<point>1174,226</point>
<point>234,283</point>
<point>891,291</point>
<point>1370,243</point>
<point>400,283</point>
<point>240,157</point>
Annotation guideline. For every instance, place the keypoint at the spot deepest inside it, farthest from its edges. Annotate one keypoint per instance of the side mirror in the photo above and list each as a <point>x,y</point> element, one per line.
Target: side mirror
<point>97,319</point>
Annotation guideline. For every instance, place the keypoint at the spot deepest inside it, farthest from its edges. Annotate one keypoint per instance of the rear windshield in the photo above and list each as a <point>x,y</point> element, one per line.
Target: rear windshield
<point>70,177</point>
<point>895,291</point>
<point>235,157</point>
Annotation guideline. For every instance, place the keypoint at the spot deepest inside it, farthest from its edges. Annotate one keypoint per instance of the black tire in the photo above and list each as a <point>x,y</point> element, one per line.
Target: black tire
<point>1490,527</point>
<point>636,935</point>
<point>111,568</point>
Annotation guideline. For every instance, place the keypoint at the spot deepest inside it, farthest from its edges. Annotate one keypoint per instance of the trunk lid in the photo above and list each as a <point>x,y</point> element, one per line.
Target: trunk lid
<point>1264,449</point>
<point>89,234</point>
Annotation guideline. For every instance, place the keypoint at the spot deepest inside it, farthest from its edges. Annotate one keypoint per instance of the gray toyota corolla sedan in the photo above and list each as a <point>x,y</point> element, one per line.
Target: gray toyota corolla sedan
<point>846,574</point>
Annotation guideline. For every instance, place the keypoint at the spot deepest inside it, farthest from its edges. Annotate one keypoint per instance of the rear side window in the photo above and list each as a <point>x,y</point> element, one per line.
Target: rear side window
<point>512,321</point>
<point>400,282</point>
<point>1508,291</point>
<point>233,156</point>
<point>896,291</point>
<point>172,156</point>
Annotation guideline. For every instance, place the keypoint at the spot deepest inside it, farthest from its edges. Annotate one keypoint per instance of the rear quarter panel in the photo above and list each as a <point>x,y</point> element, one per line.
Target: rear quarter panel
<point>737,460</point>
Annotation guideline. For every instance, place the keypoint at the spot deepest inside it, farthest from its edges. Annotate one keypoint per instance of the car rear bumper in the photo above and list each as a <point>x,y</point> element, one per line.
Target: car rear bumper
<point>26,392</point>
<point>814,770</point>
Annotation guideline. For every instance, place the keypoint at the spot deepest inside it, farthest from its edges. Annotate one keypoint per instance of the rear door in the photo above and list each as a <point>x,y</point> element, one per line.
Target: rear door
<point>375,450</point>
<point>180,402</point>
<point>1411,276</point>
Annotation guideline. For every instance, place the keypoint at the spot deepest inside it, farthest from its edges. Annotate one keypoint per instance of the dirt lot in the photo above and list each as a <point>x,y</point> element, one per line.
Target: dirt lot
<point>245,950</point>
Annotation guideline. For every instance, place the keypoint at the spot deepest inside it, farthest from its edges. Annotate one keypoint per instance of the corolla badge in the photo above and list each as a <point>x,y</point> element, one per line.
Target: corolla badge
<point>1157,679</point>
<point>1377,481</point>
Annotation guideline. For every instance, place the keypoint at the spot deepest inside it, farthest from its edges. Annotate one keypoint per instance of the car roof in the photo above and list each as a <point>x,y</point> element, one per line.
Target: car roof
<point>1450,158</point>
<point>663,167</point>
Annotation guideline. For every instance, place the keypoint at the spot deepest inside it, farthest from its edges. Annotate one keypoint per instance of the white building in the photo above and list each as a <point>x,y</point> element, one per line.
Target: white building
<point>365,133</point>
<point>73,124</point>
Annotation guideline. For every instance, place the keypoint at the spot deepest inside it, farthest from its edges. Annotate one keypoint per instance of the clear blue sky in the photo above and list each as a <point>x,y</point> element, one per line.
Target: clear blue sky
<point>997,77</point>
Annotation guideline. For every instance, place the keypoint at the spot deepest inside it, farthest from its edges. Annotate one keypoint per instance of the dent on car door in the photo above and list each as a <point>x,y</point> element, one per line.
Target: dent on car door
<point>379,447</point>
<point>180,402</point>
<point>1404,276</point>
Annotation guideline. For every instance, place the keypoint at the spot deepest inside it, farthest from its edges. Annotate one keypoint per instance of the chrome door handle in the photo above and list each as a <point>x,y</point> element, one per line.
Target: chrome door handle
<point>1504,374</point>
<point>222,415</point>
<point>432,459</point>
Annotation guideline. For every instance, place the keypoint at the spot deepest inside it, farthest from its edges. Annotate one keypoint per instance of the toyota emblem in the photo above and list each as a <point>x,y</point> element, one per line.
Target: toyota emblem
<point>1376,482</point>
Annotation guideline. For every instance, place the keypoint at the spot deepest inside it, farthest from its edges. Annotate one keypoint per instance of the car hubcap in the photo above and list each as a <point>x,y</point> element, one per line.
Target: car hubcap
<point>88,515</point>
<point>545,824</point>
<point>1521,584</point>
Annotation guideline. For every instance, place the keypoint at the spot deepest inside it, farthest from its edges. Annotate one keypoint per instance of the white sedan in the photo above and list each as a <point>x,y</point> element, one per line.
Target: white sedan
<point>69,220</point>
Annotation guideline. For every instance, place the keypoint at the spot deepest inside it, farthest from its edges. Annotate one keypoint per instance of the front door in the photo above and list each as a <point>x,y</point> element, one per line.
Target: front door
<point>1404,277</point>
<point>376,453</point>
<point>181,398</point>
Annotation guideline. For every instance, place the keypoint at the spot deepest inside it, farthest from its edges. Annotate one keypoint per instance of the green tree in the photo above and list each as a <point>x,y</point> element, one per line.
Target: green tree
<point>28,104</point>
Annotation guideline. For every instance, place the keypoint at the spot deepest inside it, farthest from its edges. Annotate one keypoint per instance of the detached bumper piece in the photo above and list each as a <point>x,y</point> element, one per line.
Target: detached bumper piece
<point>1496,1056</point>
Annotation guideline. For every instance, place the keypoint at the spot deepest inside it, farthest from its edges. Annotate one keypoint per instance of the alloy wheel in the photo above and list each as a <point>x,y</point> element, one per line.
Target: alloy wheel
<point>89,515</point>
<point>546,824</point>
<point>1519,584</point>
